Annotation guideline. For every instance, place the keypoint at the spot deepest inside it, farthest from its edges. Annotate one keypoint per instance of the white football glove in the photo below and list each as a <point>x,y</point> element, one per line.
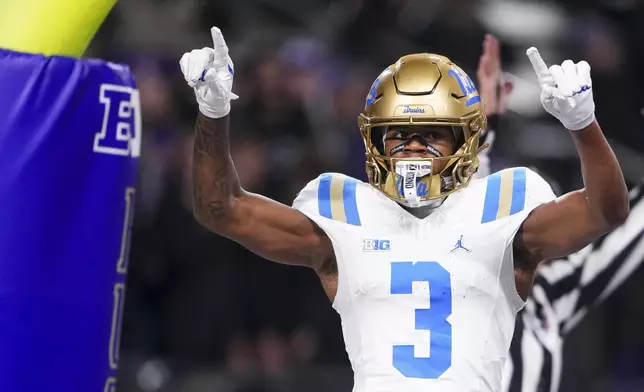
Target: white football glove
<point>210,72</point>
<point>566,91</point>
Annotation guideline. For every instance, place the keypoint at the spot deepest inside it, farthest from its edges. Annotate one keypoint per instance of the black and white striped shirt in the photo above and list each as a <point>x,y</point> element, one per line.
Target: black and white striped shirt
<point>564,290</point>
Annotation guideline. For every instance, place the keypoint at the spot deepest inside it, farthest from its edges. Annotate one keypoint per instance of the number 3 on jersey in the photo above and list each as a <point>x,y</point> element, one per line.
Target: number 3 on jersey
<point>434,319</point>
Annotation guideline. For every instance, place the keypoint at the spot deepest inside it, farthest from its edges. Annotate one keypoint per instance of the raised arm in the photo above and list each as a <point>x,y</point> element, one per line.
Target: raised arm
<point>266,227</point>
<point>572,221</point>
<point>494,91</point>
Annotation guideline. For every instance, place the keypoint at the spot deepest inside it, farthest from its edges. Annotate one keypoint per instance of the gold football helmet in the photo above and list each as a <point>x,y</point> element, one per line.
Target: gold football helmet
<point>422,90</point>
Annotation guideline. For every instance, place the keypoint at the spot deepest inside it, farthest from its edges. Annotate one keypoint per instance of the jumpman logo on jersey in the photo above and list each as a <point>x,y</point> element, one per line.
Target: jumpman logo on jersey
<point>459,245</point>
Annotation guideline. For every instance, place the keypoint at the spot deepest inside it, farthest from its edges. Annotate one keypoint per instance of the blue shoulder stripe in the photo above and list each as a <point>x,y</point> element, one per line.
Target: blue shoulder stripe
<point>324,195</point>
<point>518,190</point>
<point>350,201</point>
<point>491,204</point>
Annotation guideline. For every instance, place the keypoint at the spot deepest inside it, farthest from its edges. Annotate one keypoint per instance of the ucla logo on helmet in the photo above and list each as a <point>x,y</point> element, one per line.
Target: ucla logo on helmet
<point>371,97</point>
<point>468,89</point>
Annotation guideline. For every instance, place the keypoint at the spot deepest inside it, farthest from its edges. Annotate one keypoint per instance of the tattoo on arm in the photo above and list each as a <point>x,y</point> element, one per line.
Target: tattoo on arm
<point>211,136</point>
<point>215,182</point>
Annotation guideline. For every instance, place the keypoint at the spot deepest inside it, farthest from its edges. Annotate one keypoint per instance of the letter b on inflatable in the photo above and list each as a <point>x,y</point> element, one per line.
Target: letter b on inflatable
<point>69,148</point>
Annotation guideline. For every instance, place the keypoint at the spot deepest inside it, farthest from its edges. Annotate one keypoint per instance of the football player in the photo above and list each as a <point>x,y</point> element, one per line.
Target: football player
<point>426,266</point>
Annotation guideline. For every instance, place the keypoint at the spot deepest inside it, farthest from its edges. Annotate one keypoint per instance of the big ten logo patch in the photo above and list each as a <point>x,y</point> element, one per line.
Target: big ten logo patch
<point>373,245</point>
<point>121,128</point>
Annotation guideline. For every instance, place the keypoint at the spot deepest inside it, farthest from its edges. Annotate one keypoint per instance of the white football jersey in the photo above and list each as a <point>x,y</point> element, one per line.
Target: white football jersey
<point>426,304</point>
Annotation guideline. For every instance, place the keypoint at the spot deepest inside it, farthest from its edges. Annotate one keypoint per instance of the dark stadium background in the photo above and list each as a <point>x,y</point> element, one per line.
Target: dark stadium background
<point>203,314</point>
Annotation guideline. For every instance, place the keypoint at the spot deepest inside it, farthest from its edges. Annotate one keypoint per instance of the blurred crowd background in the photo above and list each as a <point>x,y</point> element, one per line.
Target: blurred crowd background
<point>202,313</point>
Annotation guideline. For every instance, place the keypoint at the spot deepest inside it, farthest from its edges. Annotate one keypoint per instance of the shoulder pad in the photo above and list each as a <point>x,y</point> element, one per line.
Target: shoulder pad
<point>510,191</point>
<point>331,195</point>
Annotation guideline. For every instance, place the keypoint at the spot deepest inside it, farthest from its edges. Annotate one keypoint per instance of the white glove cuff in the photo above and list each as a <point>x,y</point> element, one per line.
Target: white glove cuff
<point>215,112</point>
<point>578,126</point>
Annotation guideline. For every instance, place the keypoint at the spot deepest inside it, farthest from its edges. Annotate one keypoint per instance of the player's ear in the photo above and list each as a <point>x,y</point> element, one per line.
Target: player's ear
<point>507,87</point>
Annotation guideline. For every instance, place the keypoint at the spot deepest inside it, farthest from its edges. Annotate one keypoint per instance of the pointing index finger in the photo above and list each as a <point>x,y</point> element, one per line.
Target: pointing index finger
<point>537,62</point>
<point>218,39</point>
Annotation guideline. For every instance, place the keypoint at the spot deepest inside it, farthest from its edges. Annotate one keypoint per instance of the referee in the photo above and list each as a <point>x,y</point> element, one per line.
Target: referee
<point>563,292</point>
<point>564,289</point>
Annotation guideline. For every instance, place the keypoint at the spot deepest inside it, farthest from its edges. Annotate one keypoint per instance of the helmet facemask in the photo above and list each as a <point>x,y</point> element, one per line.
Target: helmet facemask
<point>415,181</point>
